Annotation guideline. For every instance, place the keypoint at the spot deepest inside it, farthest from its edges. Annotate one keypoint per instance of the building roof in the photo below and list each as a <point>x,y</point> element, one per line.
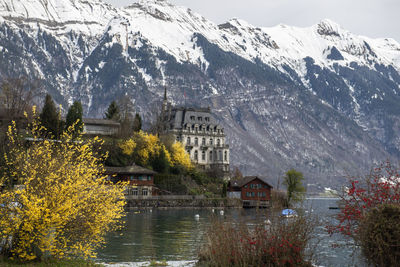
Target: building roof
<point>134,169</point>
<point>91,121</point>
<point>247,179</point>
<point>181,116</point>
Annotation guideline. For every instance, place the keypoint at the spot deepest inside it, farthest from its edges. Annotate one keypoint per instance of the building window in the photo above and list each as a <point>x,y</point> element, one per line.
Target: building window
<point>145,192</point>
<point>192,118</point>
<point>253,194</point>
<point>148,178</point>
<point>196,141</point>
<point>211,155</point>
<point>203,155</point>
<point>211,141</point>
<point>188,141</point>
<point>248,194</point>
<point>220,155</point>
<point>132,177</point>
<point>200,118</point>
<point>135,191</point>
<point>196,156</point>
<point>218,142</point>
<point>203,141</point>
<point>207,118</point>
<point>226,155</point>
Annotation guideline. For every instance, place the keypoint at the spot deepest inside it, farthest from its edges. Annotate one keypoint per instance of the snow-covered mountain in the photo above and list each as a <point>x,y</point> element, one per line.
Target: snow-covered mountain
<point>320,99</point>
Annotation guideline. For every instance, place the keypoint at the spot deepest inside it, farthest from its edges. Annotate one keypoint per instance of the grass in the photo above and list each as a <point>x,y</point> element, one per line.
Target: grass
<point>50,262</point>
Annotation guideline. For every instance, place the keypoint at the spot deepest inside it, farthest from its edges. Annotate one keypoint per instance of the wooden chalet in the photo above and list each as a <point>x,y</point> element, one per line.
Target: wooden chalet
<point>252,190</point>
<point>140,180</point>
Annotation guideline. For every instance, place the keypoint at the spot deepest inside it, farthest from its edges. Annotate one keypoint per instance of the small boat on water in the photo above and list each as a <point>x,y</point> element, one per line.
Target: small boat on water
<point>289,213</point>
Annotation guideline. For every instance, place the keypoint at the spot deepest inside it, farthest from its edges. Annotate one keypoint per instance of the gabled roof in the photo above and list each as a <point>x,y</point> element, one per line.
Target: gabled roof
<point>247,179</point>
<point>134,169</point>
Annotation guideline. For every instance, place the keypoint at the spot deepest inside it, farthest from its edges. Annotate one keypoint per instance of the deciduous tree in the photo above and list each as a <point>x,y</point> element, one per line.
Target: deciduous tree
<point>293,181</point>
<point>17,95</point>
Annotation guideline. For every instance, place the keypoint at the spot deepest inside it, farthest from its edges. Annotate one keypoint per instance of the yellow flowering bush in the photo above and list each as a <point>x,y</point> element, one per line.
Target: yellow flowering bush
<point>128,147</point>
<point>63,205</point>
<point>146,147</point>
<point>180,156</point>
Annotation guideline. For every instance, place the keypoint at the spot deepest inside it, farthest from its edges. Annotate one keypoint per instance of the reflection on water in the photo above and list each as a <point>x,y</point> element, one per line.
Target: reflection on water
<point>159,235</point>
<point>176,235</point>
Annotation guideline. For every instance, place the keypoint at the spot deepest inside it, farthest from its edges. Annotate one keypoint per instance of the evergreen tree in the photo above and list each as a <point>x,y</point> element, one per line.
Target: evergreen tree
<point>159,162</point>
<point>137,123</point>
<point>224,189</point>
<point>74,116</point>
<point>113,112</point>
<point>50,118</point>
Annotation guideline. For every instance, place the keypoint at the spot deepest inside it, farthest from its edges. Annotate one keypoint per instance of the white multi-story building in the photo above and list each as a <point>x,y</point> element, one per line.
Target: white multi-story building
<point>202,137</point>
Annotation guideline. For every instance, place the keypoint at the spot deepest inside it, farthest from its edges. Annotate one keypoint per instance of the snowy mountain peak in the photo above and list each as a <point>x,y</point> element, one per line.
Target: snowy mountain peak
<point>327,27</point>
<point>56,10</point>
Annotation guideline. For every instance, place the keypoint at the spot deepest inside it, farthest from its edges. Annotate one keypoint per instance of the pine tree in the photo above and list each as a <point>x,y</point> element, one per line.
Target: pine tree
<point>159,162</point>
<point>74,117</point>
<point>137,123</point>
<point>113,112</point>
<point>50,118</point>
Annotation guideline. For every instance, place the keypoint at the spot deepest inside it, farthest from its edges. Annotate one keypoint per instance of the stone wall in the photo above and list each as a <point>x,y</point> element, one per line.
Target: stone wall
<point>184,203</point>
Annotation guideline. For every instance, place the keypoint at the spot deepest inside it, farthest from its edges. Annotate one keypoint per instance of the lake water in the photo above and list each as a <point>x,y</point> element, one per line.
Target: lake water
<point>175,236</point>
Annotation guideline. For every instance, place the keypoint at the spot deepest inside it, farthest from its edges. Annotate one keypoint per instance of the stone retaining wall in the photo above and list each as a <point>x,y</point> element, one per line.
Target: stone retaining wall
<point>184,203</point>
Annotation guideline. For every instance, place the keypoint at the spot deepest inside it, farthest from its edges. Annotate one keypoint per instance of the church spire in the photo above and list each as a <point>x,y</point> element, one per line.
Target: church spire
<point>165,101</point>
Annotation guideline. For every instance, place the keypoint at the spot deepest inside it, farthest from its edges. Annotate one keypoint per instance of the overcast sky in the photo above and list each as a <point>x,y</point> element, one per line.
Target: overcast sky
<point>373,18</point>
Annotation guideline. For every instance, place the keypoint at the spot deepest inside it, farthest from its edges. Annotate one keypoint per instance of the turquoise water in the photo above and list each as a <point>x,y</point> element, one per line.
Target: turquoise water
<point>176,235</point>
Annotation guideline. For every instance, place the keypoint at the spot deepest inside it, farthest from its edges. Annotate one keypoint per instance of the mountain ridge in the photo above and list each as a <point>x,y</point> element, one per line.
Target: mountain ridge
<point>319,99</point>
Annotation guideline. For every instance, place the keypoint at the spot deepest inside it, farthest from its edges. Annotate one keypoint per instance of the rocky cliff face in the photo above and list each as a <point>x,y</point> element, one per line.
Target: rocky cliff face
<point>318,99</point>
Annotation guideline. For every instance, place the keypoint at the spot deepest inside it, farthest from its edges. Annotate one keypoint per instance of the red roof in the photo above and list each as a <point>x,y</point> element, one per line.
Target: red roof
<point>245,180</point>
